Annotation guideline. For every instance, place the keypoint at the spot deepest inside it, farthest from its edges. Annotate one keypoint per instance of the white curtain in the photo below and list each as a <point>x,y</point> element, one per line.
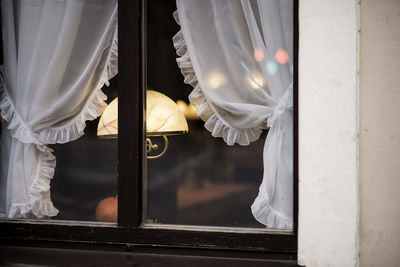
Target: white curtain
<point>238,56</point>
<point>57,56</point>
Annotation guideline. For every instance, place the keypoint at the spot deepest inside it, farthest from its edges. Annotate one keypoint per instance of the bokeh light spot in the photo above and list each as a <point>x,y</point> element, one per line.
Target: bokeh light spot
<point>216,79</point>
<point>258,54</point>
<point>291,69</point>
<point>281,56</point>
<point>272,67</point>
<point>256,81</point>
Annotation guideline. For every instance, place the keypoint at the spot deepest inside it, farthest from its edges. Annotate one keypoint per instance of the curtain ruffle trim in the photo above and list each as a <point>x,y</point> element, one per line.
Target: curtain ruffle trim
<point>40,204</point>
<point>216,126</point>
<point>265,214</point>
<point>44,207</point>
<point>213,123</point>
<point>94,106</point>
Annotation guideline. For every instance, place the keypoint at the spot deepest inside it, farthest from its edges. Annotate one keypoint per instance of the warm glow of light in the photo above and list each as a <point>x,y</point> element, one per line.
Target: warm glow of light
<point>108,123</point>
<point>272,67</point>
<point>162,115</point>
<point>258,54</point>
<point>256,81</point>
<point>281,56</point>
<point>188,110</point>
<point>216,79</point>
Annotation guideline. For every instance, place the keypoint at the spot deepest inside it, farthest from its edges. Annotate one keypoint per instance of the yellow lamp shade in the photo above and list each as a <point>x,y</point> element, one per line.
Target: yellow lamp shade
<point>108,124</point>
<point>188,110</point>
<point>163,117</point>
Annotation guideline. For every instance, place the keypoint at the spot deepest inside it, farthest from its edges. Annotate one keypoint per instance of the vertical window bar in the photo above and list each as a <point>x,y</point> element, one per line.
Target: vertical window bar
<point>295,114</point>
<point>144,91</point>
<point>130,113</point>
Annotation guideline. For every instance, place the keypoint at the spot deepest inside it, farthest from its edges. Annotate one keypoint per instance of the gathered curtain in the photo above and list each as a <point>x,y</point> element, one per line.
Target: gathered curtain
<point>57,57</point>
<point>238,56</point>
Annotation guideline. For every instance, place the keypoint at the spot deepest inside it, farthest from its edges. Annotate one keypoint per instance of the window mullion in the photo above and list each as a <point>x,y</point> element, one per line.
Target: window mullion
<point>131,112</point>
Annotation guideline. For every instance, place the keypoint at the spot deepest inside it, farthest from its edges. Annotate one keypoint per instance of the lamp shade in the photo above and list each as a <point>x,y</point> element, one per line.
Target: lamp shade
<point>163,117</point>
<point>188,110</point>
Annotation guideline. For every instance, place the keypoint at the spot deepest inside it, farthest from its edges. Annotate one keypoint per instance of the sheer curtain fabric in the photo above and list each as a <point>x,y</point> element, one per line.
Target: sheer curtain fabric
<point>57,56</point>
<point>237,54</point>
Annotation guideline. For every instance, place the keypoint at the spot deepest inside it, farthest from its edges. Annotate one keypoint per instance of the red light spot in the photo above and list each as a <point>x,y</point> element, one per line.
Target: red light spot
<point>258,54</point>
<point>281,56</point>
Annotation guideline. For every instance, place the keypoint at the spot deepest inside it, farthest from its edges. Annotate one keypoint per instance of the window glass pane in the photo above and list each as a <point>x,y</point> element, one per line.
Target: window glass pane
<point>57,57</point>
<point>200,180</point>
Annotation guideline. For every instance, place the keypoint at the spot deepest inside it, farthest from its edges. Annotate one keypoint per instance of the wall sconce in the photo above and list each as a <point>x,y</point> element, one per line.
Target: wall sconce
<point>163,118</point>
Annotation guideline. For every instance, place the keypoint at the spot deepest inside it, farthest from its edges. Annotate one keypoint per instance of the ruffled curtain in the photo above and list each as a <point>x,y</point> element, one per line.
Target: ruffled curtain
<point>237,54</point>
<point>57,57</point>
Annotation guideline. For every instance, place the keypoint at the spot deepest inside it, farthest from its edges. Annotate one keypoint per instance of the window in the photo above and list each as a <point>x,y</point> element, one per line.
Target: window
<point>132,188</point>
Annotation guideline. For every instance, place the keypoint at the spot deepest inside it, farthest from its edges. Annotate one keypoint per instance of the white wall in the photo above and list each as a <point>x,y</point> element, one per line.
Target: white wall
<point>328,140</point>
<point>380,133</point>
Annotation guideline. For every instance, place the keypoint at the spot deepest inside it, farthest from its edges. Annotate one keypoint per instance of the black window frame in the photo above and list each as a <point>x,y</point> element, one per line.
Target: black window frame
<point>130,231</point>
